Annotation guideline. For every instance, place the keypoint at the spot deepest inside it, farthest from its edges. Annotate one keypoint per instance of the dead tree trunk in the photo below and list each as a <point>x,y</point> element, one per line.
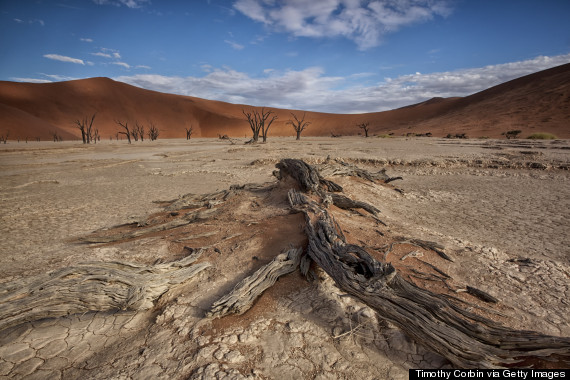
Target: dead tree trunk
<point>152,131</point>
<point>252,119</point>
<point>465,338</point>
<point>139,128</point>
<point>265,123</point>
<point>364,126</point>
<point>298,125</point>
<point>259,123</point>
<point>126,131</point>
<point>86,127</point>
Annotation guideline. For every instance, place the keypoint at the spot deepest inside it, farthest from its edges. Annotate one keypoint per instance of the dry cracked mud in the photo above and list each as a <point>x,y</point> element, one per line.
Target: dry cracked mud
<point>502,212</point>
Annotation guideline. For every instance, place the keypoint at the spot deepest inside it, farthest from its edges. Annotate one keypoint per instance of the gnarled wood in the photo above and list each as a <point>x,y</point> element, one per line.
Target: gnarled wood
<point>463,337</point>
<point>242,297</point>
<point>92,286</point>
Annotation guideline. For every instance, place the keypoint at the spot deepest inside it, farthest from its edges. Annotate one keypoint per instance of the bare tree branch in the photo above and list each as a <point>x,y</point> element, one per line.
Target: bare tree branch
<point>299,125</point>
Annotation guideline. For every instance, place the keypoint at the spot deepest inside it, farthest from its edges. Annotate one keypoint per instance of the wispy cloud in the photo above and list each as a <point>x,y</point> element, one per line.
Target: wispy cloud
<point>101,54</point>
<point>127,3</point>
<point>30,80</point>
<point>361,21</point>
<point>52,78</point>
<point>20,21</point>
<point>312,89</point>
<point>123,64</point>
<point>234,45</point>
<point>86,39</point>
<point>64,58</point>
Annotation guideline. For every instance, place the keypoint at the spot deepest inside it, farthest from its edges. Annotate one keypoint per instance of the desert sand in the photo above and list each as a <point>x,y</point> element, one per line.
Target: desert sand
<point>501,209</point>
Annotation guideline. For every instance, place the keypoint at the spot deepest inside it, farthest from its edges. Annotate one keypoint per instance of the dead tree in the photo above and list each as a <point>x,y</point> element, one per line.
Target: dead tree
<point>253,123</point>
<point>152,131</point>
<point>96,136</point>
<point>259,123</point>
<point>140,130</point>
<point>298,125</point>
<point>56,137</point>
<point>364,126</point>
<point>4,138</point>
<point>126,131</point>
<point>86,128</point>
<point>263,119</point>
<point>189,132</point>
<point>135,133</point>
<point>465,338</point>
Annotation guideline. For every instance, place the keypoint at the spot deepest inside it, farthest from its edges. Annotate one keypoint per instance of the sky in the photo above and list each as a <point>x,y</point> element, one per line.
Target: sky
<point>339,56</point>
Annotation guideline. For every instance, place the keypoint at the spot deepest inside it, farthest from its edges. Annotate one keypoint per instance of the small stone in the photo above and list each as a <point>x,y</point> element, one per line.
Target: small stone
<point>247,338</point>
<point>219,354</point>
<point>206,352</point>
<point>203,340</point>
<point>234,357</point>
<point>232,339</point>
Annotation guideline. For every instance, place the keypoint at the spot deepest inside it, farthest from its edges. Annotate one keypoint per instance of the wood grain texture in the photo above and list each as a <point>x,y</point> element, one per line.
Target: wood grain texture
<point>92,286</point>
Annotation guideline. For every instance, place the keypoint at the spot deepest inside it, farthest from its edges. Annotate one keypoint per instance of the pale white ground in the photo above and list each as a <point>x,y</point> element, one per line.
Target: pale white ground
<point>486,200</point>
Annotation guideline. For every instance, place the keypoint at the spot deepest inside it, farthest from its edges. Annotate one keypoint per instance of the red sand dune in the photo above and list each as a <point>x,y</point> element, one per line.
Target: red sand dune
<point>535,103</point>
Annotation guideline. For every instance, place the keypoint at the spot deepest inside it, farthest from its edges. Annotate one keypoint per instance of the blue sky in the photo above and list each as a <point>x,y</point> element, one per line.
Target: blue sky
<point>341,56</point>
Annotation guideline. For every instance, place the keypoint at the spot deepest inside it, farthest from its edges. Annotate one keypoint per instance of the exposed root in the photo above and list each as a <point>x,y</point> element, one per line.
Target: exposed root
<point>92,286</point>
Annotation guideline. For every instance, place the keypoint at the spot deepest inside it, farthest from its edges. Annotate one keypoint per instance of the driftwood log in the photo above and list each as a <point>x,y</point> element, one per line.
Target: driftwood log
<point>92,286</point>
<point>466,339</point>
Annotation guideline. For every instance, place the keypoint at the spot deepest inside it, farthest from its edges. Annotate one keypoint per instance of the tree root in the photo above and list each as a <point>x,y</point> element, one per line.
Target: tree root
<point>92,286</point>
<point>244,294</point>
<point>466,339</point>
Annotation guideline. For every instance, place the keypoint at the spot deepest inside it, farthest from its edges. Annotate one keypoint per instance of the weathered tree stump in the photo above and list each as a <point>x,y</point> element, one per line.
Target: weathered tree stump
<point>466,339</point>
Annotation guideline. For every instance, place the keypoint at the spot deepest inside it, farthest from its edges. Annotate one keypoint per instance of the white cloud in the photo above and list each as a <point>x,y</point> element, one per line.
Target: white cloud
<point>63,58</point>
<point>234,45</point>
<point>123,64</point>
<point>142,67</point>
<point>59,77</point>
<point>311,89</point>
<point>108,53</point>
<point>52,77</point>
<point>101,54</point>
<point>86,39</point>
<point>364,22</point>
<point>30,80</point>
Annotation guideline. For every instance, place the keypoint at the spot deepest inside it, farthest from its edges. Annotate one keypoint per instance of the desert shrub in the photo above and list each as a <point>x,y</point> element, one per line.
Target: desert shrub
<point>384,136</point>
<point>542,136</point>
